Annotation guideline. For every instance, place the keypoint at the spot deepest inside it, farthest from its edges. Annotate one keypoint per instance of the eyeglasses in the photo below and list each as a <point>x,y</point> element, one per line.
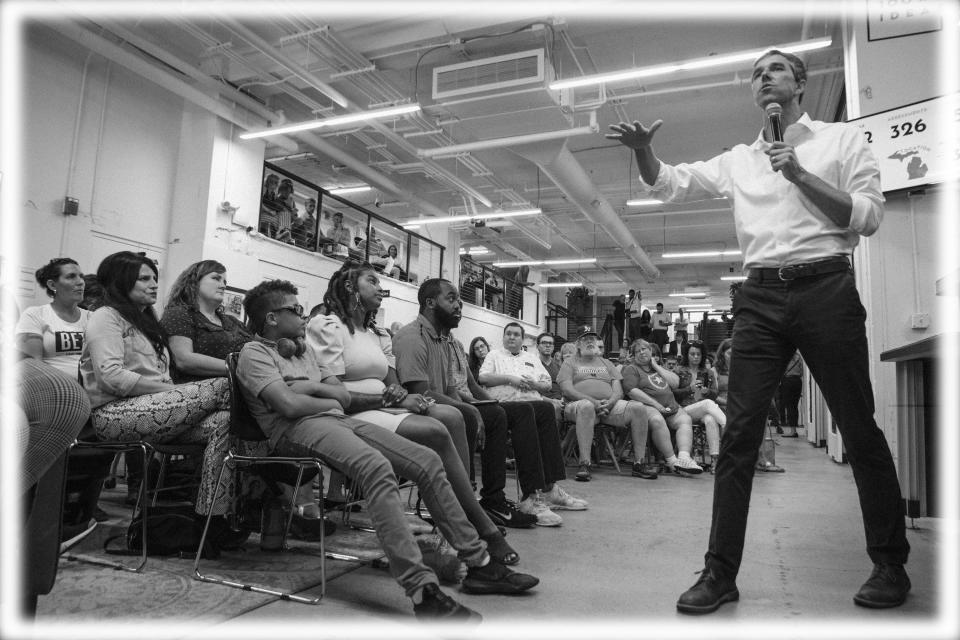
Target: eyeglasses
<point>297,309</point>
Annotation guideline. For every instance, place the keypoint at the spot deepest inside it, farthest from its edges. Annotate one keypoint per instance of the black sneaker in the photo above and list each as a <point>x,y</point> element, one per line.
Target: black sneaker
<point>505,514</point>
<point>707,594</point>
<point>886,587</point>
<point>494,577</point>
<point>643,471</point>
<point>438,606</point>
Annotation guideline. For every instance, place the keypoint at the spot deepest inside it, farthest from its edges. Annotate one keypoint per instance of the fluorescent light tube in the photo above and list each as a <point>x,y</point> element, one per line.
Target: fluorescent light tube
<point>474,216</point>
<point>702,254</point>
<point>550,285</point>
<point>696,63</point>
<point>534,263</point>
<point>734,278</point>
<point>643,203</point>
<point>334,121</point>
<point>339,191</point>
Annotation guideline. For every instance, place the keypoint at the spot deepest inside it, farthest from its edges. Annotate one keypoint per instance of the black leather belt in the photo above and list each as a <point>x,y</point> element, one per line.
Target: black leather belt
<point>795,271</point>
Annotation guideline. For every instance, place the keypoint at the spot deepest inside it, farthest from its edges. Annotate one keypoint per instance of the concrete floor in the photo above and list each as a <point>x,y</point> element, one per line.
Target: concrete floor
<point>624,562</point>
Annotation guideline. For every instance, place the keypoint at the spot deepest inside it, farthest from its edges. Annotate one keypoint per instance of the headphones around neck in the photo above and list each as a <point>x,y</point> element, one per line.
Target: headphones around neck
<point>288,348</point>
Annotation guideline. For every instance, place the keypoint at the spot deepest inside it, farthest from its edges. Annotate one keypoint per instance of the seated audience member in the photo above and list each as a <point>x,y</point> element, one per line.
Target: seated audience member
<point>494,292</point>
<point>424,359</point>
<point>125,367</point>
<point>591,386</point>
<point>341,236</point>
<point>678,346</point>
<point>568,350</point>
<point>696,393</point>
<point>646,381</point>
<point>303,416</point>
<point>388,263</point>
<point>545,344</point>
<point>670,362</point>
<point>305,230</point>
<point>479,348</point>
<point>200,333</point>
<point>353,351</point>
<point>270,206</point>
<point>50,408</point>
<point>516,378</point>
<point>54,332</point>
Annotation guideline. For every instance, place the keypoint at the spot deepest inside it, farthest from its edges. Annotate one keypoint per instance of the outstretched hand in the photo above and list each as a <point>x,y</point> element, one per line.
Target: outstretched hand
<point>634,136</point>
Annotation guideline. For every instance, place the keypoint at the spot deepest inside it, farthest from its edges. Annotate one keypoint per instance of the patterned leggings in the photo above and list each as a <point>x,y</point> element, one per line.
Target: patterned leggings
<point>54,409</point>
<point>191,412</point>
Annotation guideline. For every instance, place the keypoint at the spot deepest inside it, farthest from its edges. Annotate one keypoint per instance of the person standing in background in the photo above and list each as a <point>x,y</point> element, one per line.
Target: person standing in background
<point>661,322</point>
<point>788,396</point>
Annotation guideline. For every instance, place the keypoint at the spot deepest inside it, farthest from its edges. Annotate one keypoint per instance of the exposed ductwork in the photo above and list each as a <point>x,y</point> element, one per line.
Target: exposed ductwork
<point>556,161</point>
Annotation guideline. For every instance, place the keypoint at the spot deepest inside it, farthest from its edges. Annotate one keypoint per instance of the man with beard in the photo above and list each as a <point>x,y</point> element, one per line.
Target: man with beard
<point>423,354</point>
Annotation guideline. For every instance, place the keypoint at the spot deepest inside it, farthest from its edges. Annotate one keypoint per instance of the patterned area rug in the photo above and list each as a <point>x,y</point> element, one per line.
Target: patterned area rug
<point>166,588</point>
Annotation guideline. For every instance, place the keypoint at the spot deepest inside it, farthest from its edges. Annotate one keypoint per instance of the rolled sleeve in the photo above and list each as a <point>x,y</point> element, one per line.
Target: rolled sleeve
<point>861,179</point>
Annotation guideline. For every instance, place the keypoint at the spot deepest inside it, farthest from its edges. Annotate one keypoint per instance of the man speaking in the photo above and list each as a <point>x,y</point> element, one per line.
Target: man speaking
<point>801,198</point>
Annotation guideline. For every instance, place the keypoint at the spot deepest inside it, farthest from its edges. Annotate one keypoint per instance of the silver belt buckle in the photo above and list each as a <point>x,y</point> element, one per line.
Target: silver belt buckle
<point>784,272</point>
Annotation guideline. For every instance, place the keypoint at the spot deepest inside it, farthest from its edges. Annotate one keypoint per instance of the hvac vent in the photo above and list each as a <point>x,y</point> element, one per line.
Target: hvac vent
<point>489,74</point>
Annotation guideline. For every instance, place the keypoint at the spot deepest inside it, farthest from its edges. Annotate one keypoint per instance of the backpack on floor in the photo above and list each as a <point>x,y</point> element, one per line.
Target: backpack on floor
<point>171,530</point>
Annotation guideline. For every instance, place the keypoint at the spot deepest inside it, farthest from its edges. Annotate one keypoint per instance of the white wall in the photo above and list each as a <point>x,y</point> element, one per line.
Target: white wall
<point>897,267</point>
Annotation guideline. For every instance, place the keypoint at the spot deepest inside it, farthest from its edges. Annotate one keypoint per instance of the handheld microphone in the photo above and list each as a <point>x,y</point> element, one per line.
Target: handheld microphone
<point>774,111</point>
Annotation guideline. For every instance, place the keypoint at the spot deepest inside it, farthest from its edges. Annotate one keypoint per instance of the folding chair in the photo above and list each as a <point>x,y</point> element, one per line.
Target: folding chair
<point>245,427</point>
<point>601,436</point>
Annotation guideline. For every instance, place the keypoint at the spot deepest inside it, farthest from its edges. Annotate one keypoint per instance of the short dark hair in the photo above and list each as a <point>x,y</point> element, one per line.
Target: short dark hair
<point>545,335</point>
<point>263,298</point>
<point>517,325</point>
<point>429,290</point>
<point>51,271</point>
<point>796,65</point>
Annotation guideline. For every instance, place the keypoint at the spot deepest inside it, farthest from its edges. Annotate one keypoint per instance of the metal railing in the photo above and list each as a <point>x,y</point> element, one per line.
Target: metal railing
<point>491,288</point>
<point>352,231</point>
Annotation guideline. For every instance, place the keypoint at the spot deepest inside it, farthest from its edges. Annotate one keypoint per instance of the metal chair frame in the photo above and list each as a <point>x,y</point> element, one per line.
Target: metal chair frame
<point>601,432</point>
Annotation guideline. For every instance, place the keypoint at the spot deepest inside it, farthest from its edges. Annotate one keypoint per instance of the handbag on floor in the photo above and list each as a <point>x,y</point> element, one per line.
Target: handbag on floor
<point>171,530</point>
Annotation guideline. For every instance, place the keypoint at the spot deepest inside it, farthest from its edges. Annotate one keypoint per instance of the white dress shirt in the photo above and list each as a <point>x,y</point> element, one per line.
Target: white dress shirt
<point>776,224</point>
<point>524,363</point>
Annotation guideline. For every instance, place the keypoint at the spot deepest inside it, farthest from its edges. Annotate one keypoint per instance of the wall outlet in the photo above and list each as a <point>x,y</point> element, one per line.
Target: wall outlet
<point>920,321</point>
<point>71,206</point>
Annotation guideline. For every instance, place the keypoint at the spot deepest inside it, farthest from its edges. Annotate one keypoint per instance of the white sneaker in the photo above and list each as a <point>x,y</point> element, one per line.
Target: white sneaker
<point>535,506</point>
<point>558,498</point>
<point>686,463</point>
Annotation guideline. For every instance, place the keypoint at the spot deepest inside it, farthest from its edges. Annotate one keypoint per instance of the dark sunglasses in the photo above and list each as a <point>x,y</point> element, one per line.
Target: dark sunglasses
<point>297,309</point>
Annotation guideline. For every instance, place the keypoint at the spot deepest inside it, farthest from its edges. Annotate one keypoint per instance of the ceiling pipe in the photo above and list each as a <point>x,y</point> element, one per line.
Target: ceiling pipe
<point>284,60</point>
<point>510,141</point>
<point>560,166</point>
<point>99,45</point>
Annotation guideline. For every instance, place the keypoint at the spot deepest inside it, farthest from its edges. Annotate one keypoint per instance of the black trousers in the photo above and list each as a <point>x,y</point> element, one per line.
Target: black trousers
<point>773,318</point>
<point>788,402</point>
<point>536,443</point>
<point>493,456</point>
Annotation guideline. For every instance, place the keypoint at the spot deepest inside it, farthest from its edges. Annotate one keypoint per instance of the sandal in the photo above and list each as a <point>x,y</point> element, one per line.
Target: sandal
<point>498,548</point>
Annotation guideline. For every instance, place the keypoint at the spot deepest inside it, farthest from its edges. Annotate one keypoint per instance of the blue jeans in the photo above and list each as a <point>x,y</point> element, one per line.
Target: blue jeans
<point>369,454</point>
<point>822,316</point>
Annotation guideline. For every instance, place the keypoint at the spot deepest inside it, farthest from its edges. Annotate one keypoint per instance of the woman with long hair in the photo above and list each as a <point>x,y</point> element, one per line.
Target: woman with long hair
<point>201,334</point>
<point>54,332</point>
<point>696,393</point>
<point>479,348</point>
<point>355,352</point>
<point>126,369</point>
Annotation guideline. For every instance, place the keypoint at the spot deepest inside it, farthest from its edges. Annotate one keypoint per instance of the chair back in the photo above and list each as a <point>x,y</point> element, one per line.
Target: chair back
<point>242,424</point>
